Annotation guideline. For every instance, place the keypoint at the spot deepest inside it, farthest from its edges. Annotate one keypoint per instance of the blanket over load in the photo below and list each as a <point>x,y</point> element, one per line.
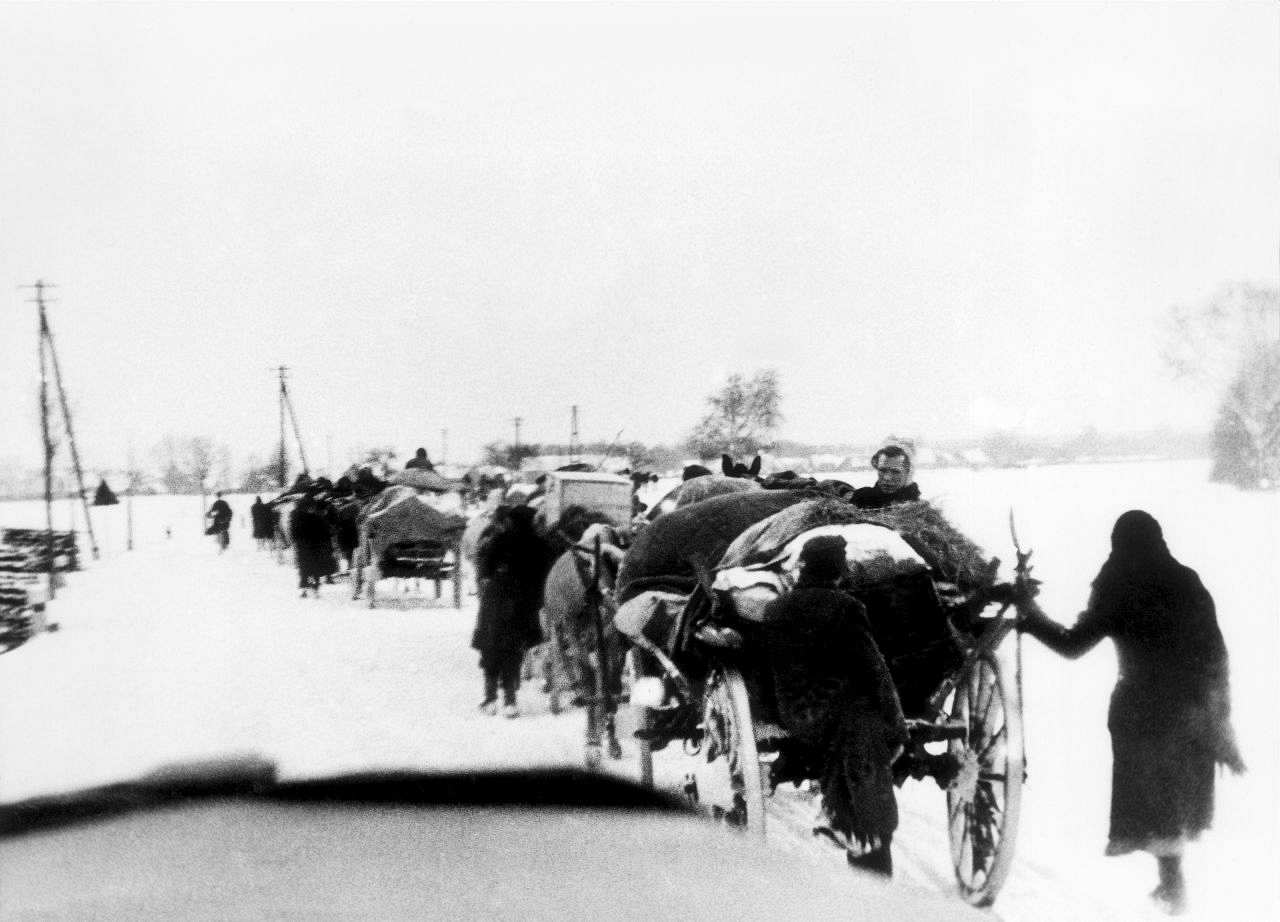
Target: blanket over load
<point>668,557</point>
<point>675,549</point>
<point>410,519</point>
<point>897,555</point>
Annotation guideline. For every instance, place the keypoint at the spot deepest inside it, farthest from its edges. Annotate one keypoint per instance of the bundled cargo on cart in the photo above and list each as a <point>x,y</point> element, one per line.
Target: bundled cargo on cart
<point>693,594</point>
<point>403,537</point>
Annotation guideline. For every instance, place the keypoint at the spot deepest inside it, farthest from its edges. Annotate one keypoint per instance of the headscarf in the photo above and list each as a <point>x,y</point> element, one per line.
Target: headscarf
<point>1140,560</point>
<point>1137,538</point>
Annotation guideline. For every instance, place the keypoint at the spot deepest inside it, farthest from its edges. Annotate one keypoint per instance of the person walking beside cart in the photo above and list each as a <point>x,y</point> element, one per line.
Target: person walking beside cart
<point>511,564</point>
<point>263,529</point>
<point>835,693</point>
<point>1170,714</point>
<point>219,516</point>
<point>312,542</point>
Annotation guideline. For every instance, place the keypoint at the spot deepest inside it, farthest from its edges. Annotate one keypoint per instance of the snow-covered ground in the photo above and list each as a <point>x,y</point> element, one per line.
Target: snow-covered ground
<point>172,651</point>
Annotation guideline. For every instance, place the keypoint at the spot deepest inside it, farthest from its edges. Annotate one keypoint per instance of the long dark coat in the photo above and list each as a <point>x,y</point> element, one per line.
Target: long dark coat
<point>220,513</point>
<point>511,564</point>
<point>1170,710</point>
<point>835,694</point>
<point>346,529</point>
<point>260,513</point>
<point>312,540</point>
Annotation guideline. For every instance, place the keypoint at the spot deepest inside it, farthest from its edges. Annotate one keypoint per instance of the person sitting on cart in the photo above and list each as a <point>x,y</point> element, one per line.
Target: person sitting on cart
<point>836,696</point>
<point>893,480</point>
<point>420,461</point>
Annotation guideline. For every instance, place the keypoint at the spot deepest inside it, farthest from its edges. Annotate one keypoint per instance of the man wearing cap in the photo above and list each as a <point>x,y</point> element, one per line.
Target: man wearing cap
<point>893,480</point>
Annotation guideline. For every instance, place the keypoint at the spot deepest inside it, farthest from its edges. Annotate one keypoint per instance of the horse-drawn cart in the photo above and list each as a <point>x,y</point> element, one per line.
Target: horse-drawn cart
<point>403,537</point>
<point>699,674</point>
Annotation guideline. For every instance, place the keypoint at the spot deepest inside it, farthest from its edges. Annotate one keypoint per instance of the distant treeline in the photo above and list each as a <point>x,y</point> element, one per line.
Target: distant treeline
<point>997,449</point>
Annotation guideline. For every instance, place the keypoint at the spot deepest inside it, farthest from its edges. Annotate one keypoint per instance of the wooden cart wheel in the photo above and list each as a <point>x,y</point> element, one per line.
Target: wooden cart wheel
<point>643,717</point>
<point>729,748</point>
<point>644,723</point>
<point>984,801</point>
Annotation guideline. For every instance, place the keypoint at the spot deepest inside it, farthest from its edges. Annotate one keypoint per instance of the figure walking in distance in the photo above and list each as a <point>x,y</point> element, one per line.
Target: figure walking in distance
<point>260,514</point>
<point>1170,715</point>
<point>219,516</point>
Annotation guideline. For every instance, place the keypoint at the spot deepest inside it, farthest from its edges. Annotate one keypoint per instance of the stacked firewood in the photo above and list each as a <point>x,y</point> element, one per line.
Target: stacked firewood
<point>24,559</point>
<point>26,550</point>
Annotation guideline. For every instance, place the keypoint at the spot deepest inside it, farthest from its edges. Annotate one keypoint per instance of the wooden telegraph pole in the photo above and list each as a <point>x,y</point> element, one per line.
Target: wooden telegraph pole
<point>48,447</point>
<point>286,407</point>
<point>573,434</point>
<point>49,356</point>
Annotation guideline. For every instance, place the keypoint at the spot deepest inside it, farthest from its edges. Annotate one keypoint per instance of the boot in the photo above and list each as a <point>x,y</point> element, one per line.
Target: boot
<point>878,860</point>
<point>1171,896</point>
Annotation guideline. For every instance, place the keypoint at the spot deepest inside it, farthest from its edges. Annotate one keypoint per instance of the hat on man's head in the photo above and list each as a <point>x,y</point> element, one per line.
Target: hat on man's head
<point>693,470</point>
<point>824,557</point>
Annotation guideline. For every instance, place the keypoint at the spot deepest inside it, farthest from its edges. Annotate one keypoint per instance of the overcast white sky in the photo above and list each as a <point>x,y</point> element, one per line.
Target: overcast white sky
<point>931,219</point>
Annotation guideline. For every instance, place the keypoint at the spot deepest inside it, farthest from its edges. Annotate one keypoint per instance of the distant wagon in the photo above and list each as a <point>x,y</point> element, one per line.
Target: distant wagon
<point>607,494</point>
<point>403,537</point>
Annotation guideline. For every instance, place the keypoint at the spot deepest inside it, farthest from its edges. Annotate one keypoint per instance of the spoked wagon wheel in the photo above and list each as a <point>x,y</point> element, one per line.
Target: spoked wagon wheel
<point>643,717</point>
<point>727,780</point>
<point>985,798</point>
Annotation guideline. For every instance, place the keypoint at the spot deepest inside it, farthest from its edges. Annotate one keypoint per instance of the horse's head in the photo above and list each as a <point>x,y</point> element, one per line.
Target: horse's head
<point>733,468</point>
<point>610,542</point>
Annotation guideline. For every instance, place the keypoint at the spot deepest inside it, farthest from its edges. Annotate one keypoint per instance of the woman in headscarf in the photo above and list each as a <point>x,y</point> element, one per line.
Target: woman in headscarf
<point>263,531</point>
<point>1170,715</point>
<point>312,542</point>
<point>511,564</point>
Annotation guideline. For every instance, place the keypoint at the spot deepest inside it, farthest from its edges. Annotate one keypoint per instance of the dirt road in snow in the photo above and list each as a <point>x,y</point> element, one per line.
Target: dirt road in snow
<point>173,652</point>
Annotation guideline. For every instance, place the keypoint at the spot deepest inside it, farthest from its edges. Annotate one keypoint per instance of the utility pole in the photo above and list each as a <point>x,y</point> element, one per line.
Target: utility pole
<point>47,344</point>
<point>444,446</point>
<point>573,435</point>
<point>48,447</point>
<point>128,499</point>
<point>282,462</point>
<point>515,449</point>
<point>286,406</point>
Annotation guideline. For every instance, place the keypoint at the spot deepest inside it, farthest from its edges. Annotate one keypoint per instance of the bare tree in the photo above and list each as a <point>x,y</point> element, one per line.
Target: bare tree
<point>742,418</point>
<point>169,458</point>
<point>504,454</point>
<point>1230,343</point>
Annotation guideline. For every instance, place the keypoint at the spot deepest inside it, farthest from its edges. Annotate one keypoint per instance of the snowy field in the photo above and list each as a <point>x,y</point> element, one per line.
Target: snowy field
<point>172,652</point>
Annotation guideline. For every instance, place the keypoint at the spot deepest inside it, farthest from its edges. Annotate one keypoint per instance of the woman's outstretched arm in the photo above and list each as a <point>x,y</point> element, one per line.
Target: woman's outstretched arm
<point>1071,642</point>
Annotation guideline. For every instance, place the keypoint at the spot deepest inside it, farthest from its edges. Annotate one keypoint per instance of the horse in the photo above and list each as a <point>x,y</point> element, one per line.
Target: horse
<point>731,468</point>
<point>582,645</point>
